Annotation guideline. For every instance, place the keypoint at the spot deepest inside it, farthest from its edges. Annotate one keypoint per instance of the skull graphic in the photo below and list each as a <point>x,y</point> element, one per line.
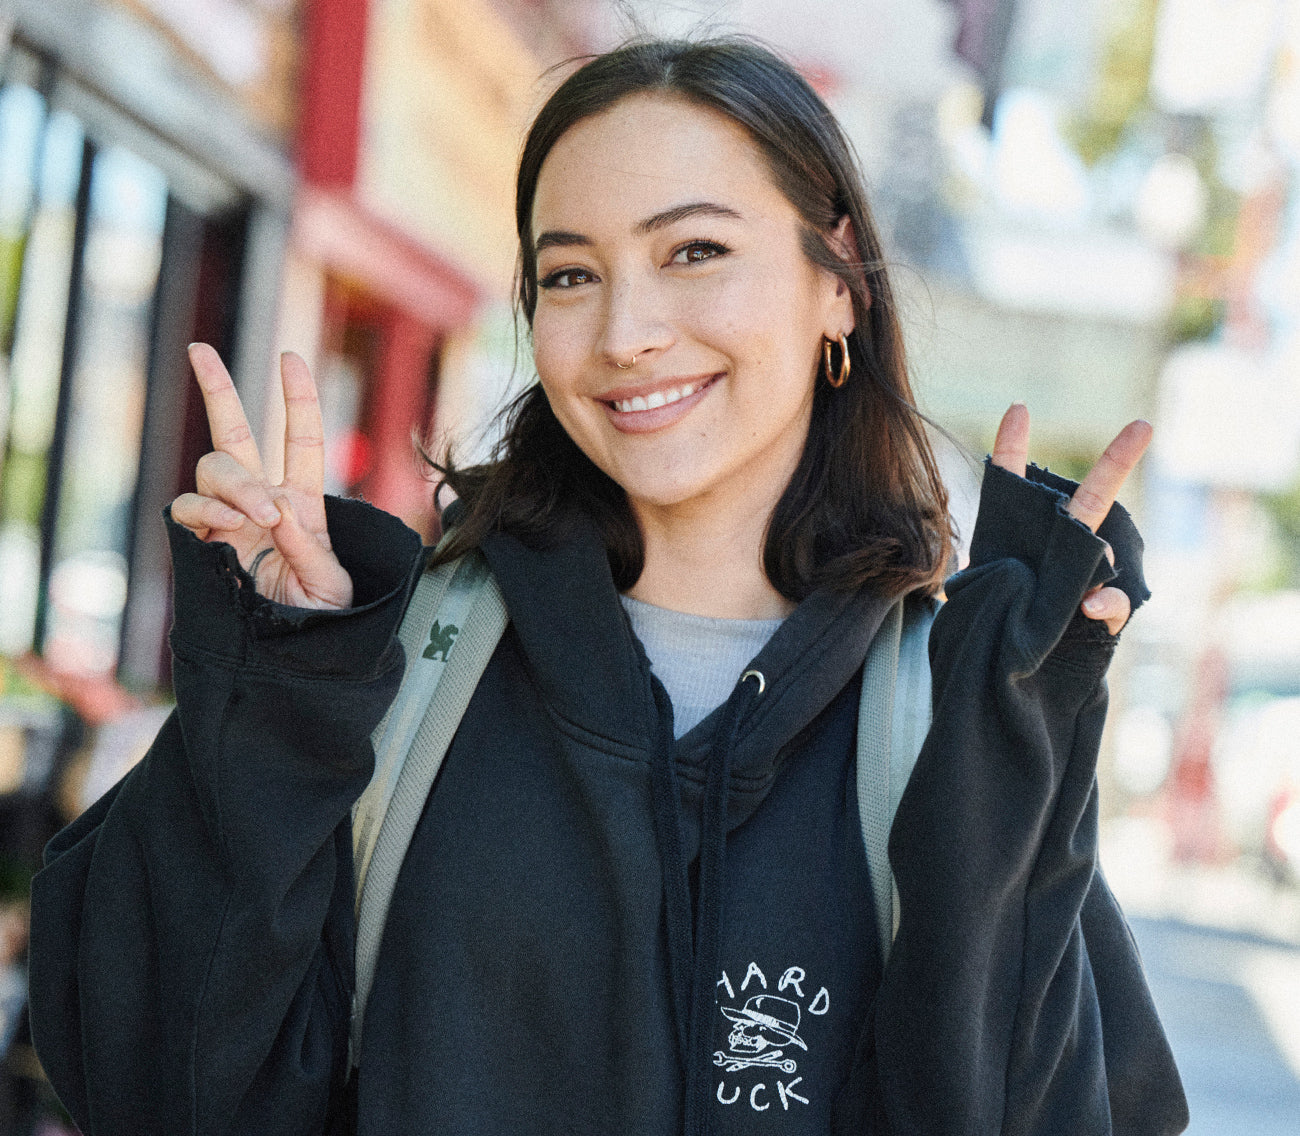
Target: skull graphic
<point>765,1020</point>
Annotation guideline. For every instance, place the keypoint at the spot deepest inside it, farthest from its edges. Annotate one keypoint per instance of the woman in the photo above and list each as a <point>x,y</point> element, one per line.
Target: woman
<point>720,471</point>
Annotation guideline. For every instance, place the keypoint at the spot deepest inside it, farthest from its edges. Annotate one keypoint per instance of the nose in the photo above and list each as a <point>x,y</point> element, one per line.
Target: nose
<point>636,327</point>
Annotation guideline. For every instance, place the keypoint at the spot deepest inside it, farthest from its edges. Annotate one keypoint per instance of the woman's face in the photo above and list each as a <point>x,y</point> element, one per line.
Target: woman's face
<point>660,237</point>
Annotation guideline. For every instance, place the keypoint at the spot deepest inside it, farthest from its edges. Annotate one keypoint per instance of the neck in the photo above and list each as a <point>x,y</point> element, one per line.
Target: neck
<point>702,564</point>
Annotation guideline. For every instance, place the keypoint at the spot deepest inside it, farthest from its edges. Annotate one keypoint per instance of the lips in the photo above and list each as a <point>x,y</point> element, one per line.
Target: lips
<point>658,398</point>
<point>651,407</point>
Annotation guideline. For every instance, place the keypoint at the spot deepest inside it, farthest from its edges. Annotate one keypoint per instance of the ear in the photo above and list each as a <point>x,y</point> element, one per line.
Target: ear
<point>842,241</point>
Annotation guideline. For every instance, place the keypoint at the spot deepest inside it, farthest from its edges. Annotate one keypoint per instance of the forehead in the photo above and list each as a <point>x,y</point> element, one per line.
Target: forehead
<point>648,153</point>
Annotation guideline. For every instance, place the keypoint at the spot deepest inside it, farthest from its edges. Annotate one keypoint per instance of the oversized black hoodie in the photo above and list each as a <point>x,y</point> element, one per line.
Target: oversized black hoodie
<point>192,932</point>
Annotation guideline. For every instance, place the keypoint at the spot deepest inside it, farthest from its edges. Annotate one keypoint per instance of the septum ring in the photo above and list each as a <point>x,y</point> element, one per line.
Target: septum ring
<point>625,366</point>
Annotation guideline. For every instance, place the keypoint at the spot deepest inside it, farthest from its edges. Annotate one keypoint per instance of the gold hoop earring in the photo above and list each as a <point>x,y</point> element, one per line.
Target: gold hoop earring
<point>846,366</point>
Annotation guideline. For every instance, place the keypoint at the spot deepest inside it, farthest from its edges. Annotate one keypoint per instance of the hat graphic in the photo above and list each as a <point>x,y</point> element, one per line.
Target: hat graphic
<point>778,1016</point>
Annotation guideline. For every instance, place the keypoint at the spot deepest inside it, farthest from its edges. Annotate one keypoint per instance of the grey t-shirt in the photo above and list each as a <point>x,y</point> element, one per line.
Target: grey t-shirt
<point>698,658</point>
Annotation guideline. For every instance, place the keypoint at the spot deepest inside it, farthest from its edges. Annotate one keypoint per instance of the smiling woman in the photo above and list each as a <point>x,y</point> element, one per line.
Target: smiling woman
<point>694,274</point>
<point>648,891</point>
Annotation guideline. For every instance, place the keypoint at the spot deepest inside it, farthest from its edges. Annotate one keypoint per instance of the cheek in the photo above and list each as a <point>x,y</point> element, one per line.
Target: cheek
<point>554,349</point>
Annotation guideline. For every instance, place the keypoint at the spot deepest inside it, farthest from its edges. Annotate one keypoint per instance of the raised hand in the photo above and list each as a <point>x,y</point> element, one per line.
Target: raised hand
<point>278,531</point>
<point>1091,501</point>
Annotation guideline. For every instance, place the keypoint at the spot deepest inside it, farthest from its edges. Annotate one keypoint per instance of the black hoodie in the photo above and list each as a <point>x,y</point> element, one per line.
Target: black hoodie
<point>192,932</point>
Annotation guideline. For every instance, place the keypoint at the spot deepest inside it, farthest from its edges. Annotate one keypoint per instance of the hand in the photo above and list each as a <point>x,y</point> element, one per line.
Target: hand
<point>278,531</point>
<point>1091,501</point>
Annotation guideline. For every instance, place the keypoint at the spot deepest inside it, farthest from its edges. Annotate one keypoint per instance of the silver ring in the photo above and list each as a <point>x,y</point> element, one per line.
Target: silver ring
<point>625,366</point>
<point>257,563</point>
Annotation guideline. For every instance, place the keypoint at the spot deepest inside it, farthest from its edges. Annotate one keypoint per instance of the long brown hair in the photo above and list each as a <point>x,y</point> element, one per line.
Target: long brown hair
<point>865,505</point>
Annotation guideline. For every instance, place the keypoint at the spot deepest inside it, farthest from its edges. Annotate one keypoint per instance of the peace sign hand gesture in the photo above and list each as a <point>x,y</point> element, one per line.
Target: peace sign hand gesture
<point>278,531</point>
<point>1091,501</point>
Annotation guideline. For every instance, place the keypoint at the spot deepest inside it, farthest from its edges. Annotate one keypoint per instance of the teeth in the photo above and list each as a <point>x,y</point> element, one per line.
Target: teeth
<point>656,399</point>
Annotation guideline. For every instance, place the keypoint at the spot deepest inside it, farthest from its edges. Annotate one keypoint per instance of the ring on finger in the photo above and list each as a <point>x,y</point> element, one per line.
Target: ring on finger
<point>257,563</point>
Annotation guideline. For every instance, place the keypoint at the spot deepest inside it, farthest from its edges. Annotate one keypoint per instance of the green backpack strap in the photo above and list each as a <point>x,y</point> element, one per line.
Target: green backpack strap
<point>893,719</point>
<point>456,610</point>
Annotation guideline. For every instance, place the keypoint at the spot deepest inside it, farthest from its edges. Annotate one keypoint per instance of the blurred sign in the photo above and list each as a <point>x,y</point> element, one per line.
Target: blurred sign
<point>448,91</point>
<point>1229,418</point>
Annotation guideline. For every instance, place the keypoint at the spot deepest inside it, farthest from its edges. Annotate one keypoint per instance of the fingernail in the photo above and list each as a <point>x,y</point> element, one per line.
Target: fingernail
<point>232,517</point>
<point>1094,605</point>
<point>267,514</point>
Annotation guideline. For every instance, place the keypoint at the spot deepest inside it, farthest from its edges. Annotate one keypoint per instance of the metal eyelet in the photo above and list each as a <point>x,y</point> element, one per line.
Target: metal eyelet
<point>762,682</point>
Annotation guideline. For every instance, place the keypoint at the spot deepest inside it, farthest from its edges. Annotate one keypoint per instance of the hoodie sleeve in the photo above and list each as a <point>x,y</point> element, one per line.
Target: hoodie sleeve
<point>191,957</point>
<point>1014,1001</point>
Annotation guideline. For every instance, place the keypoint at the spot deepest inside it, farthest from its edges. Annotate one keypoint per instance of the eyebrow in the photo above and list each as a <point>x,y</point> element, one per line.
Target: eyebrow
<point>563,238</point>
<point>681,212</point>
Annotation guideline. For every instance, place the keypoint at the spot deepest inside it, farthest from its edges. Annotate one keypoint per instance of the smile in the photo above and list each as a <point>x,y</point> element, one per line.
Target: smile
<point>656,399</point>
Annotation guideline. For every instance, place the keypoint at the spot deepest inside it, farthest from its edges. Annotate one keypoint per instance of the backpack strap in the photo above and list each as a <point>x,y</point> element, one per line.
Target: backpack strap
<point>893,719</point>
<point>455,608</point>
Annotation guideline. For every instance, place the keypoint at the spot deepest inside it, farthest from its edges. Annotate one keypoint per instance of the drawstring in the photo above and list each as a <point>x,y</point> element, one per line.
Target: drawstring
<point>677,892</point>
<point>695,944</point>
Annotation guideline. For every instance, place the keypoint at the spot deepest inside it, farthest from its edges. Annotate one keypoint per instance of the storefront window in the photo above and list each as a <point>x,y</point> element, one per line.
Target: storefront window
<point>87,589</point>
<point>41,236</point>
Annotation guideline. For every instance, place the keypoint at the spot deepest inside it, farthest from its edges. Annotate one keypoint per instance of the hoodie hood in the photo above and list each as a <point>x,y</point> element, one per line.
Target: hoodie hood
<point>562,596</point>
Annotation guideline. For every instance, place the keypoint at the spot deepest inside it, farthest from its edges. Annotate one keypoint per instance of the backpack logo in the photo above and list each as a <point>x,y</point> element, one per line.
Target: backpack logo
<point>441,640</point>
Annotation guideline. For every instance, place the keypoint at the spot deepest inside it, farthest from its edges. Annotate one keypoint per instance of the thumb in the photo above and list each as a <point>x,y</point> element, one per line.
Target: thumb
<point>321,580</point>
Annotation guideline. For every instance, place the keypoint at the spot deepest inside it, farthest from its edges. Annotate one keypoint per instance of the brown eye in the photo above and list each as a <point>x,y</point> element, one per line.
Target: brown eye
<point>697,251</point>
<point>567,278</point>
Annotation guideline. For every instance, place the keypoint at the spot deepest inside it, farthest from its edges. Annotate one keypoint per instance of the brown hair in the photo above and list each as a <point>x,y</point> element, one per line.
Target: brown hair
<point>865,504</point>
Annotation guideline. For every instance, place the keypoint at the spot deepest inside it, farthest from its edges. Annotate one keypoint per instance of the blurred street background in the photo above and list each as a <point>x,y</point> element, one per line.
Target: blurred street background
<point>1093,207</point>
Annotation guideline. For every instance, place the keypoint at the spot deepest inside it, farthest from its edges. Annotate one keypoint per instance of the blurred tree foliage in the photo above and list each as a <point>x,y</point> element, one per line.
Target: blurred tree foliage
<point>1284,508</point>
<point>1123,75</point>
<point>1195,317</point>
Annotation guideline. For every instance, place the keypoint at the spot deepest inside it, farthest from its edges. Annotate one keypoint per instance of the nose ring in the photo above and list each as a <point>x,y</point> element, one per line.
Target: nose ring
<point>625,366</point>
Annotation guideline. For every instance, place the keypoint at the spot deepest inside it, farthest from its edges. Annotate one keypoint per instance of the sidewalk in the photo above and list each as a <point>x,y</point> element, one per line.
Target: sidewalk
<point>1221,946</point>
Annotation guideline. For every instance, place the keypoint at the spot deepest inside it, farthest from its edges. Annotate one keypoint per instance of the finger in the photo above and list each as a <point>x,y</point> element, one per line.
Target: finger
<point>221,476</point>
<point>1094,497</point>
<point>1011,446</point>
<point>204,514</point>
<point>304,435</point>
<point>1110,606</point>
<point>226,419</point>
<point>323,581</point>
